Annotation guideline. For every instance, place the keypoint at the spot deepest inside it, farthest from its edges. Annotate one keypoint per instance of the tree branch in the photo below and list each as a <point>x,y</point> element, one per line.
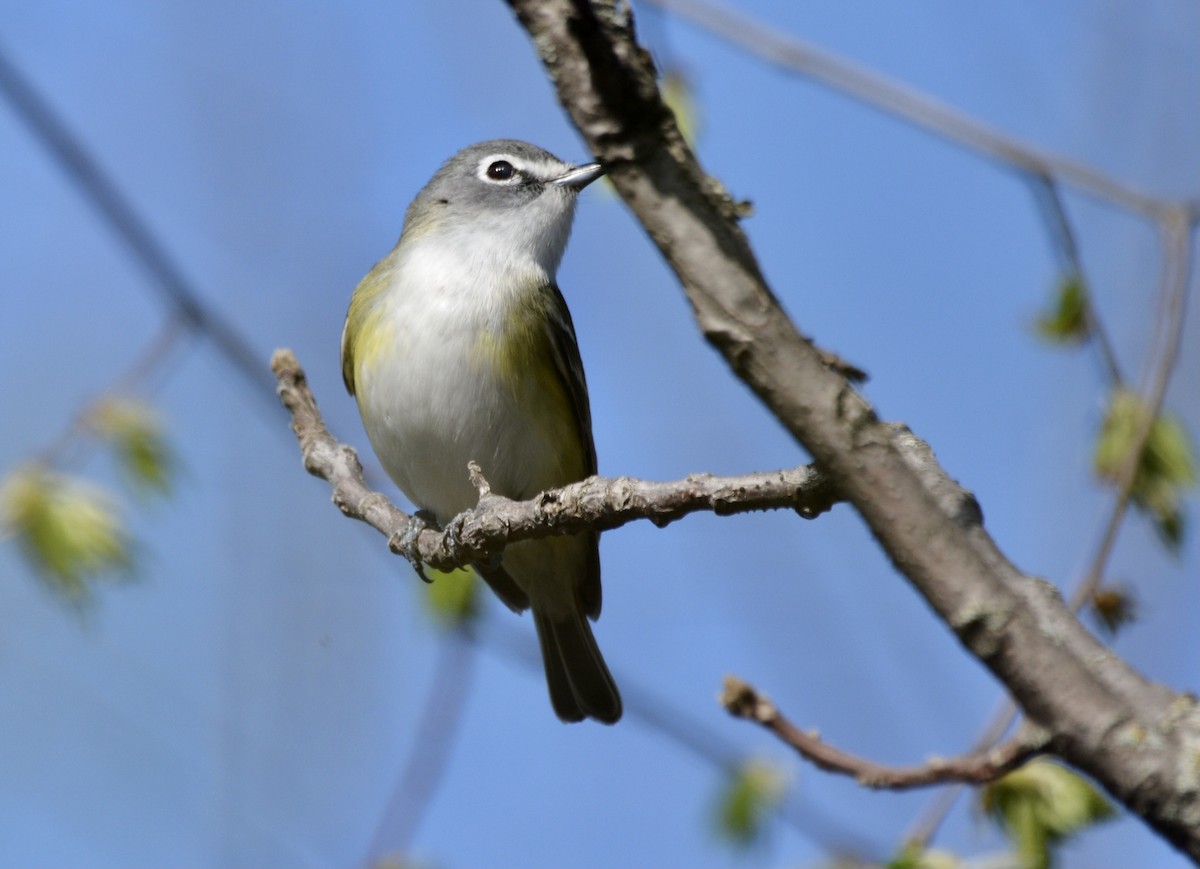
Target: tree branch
<point>919,109</point>
<point>1062,236</point>
<point>1176,270</point>
<point>599,503</point>
<point>743,701</point>
<point>1133,736</point>
<point>102,193</point>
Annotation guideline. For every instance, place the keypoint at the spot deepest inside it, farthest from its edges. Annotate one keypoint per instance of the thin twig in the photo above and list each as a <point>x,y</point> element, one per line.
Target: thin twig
<point>1173,301</point>
<point>1062,233</point>
<point>105,196</point>
<point>743,701</point>
<point>922,831</point>
<point>599,503</point>
<point>799,56</point>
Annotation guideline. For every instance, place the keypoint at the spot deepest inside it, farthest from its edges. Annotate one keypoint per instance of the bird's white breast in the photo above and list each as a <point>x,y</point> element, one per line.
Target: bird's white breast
<point>429,397</point>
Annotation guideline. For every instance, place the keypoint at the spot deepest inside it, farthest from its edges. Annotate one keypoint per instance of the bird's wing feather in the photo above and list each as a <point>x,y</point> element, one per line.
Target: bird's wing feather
<point>565,349</point>
<point>347,360</point>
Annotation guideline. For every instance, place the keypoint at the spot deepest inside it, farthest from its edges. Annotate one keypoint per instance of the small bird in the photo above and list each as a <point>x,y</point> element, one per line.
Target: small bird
<point>458,346</point>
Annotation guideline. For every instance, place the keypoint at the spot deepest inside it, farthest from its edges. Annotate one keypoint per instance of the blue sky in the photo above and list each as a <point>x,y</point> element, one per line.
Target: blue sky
<point>252,698</point>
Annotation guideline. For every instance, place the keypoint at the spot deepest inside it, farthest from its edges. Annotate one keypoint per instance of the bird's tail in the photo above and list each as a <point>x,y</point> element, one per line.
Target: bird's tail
<point>579,681</point>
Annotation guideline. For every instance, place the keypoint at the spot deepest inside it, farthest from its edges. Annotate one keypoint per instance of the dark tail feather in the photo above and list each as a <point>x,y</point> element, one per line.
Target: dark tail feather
<point>579,681</point>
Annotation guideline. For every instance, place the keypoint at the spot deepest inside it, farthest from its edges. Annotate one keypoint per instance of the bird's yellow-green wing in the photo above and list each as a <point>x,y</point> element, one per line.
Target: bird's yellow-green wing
<point>565,350</point>
<point>569,366</point>
<point>361,331</point>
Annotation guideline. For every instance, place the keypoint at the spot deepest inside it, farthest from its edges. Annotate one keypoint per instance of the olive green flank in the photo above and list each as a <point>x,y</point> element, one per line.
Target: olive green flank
<point>521,353</point>
<point>368,333</point>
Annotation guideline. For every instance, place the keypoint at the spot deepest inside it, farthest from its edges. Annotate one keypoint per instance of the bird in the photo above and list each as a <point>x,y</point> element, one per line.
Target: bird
<point>457,347</point>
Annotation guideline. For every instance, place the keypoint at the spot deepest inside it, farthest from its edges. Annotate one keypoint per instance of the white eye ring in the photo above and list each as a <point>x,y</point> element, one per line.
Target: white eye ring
<point>499,169</point>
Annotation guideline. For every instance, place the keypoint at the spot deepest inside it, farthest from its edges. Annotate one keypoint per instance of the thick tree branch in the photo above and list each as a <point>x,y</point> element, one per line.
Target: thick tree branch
<point>743,701</point>
<point>600,503</point>
<point>1137,738</point>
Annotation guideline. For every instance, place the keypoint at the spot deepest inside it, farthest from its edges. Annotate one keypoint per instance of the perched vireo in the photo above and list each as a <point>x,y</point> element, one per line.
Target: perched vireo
<point>458,346</point>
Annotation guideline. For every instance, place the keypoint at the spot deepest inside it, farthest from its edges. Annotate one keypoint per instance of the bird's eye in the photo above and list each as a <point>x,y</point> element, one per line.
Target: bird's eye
<point>501,170</point>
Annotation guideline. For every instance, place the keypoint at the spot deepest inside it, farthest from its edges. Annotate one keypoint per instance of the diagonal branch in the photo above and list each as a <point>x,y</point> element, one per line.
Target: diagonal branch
<point>919,109</point>
<point>599,503</point>
<point>1062,235</point>
<point>167,278</point>
<point>743,701</point>
<point>1130,734</point>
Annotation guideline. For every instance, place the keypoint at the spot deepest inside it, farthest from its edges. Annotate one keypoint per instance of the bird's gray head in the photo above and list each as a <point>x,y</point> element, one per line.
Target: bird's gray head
<point>502,197</point>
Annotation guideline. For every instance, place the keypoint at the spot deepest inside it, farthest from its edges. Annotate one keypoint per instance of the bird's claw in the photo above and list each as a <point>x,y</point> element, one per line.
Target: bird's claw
<point>458,549</point>
<point>406,542</point>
